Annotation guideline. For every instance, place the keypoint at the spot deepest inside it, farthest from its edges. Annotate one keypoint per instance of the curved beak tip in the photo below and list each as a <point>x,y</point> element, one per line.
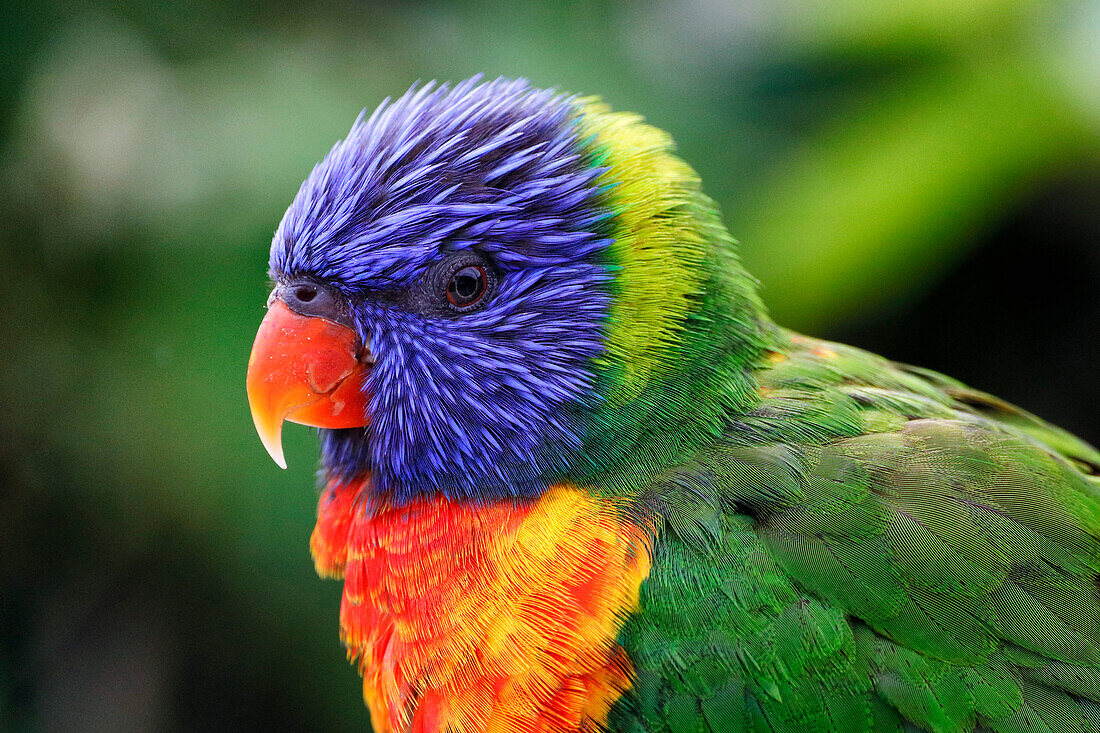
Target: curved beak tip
<point>269,425</point>
<point>276,452</point>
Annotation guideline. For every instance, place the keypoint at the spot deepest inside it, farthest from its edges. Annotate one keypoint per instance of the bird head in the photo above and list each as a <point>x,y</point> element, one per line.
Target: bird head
<point>489,288</point>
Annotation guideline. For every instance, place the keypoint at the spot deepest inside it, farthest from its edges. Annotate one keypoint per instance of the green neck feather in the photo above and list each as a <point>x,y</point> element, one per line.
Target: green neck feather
<point>687,327</point>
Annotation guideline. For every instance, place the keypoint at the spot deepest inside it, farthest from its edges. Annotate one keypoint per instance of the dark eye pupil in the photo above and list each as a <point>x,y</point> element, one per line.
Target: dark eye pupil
<point>466,286</point>
<point>305,294</point>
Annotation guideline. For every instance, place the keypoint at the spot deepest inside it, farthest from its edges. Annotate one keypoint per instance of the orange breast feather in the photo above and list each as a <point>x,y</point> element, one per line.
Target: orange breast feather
<point>496,617</point>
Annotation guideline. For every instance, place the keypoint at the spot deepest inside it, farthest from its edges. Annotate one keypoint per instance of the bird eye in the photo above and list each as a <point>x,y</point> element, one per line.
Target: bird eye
<point>467,286</point>
<point>305,293</point>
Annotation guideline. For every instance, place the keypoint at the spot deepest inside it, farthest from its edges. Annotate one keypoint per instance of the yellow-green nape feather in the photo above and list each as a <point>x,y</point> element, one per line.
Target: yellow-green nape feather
<point>685,324</point>
<point>659,243</point>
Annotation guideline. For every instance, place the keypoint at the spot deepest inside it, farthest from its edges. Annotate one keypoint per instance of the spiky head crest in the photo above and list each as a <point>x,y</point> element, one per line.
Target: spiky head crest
<point>602,258</point>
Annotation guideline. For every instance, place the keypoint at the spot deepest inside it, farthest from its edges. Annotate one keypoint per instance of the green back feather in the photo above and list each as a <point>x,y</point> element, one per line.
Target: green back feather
<point>866,551</point>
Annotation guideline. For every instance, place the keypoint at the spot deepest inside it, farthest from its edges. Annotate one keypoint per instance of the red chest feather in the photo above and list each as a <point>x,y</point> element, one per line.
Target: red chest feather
<point>499,616</point>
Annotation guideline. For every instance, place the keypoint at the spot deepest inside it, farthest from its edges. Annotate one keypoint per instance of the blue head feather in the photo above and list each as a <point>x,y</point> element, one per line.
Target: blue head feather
<point>489,402</point>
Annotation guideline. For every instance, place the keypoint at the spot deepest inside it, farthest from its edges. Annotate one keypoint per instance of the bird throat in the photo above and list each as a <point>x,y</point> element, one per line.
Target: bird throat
<point>490,616</point>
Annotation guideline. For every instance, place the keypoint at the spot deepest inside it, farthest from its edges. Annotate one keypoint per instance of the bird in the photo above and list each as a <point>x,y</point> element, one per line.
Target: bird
<point>575,478</point>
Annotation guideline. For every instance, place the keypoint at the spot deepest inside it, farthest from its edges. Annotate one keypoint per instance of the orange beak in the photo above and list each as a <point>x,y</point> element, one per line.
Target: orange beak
<point>308,370</point>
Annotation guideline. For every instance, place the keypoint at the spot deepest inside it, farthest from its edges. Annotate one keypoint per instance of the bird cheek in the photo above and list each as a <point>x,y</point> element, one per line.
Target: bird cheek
<point>307,370</point>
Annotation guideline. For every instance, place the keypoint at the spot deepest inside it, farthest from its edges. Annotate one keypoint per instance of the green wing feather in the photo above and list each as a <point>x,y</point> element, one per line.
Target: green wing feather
<point>872,547</point>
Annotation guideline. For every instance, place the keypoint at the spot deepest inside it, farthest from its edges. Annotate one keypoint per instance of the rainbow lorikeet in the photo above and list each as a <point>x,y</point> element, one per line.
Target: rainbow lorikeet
<point>576,479</point>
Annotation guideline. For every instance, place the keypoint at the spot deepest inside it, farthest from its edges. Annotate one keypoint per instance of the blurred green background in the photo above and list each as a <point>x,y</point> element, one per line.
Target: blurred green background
<point>921,179</point>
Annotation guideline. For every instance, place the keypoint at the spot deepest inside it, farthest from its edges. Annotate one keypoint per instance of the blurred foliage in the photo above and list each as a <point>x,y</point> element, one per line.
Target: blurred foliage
<point>154,567</point>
